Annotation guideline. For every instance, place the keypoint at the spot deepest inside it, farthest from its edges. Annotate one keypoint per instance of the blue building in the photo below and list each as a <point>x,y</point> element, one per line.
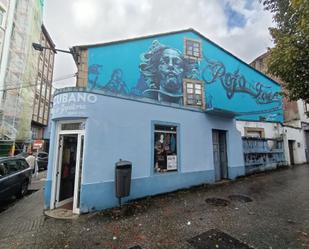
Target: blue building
<point>168,103</point>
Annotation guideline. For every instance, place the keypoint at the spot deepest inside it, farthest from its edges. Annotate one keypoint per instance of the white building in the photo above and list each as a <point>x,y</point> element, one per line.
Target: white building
<point>294,132</point>
<point>293,138</point>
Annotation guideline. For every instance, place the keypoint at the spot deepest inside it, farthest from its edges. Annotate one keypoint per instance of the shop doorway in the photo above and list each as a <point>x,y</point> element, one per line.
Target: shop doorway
<point>220,154</point>
<point>291,151</point>
<point>68,167</point>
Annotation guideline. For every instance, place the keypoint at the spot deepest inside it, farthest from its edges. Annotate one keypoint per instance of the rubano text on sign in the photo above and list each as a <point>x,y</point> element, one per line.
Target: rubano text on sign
<point>78,97</point>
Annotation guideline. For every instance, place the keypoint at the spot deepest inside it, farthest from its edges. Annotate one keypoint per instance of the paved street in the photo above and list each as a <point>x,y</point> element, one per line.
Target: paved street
<point>276,215</point>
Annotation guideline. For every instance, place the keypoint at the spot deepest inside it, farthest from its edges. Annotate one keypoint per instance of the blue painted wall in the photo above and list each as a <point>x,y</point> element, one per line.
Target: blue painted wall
<point>155,68</point>
<point>123,128</point>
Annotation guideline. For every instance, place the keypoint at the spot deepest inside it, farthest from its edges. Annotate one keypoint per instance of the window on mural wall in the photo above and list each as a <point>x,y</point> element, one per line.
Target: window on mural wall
<point>193,93</point>
<point>165,148</point>
<point>193,48</point>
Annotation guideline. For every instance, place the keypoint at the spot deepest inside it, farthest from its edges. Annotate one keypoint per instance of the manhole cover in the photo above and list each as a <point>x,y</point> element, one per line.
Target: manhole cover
<point>240,198</point>
<point>214,239</point>
<point>219,202</point>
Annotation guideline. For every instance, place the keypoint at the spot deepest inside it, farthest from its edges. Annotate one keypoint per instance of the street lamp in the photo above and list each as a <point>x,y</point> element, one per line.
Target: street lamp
<point>40,48</point>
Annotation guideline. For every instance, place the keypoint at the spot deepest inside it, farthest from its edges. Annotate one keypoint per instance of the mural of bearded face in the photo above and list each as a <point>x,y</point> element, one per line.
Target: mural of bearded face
<point>171,70</point>
<point>163,69</point>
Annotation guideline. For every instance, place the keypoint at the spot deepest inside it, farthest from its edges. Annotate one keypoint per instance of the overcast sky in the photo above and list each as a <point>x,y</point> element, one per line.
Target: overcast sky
<point>239,26</point>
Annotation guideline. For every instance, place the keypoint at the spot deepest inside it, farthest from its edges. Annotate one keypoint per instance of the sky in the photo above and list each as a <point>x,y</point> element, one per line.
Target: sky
<point>239,26</point>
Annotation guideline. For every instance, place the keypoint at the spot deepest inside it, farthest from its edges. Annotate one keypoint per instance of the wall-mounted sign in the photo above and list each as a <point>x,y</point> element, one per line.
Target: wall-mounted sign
<point>72,103</point>
<point>75,97</point>
<point>37,144</point>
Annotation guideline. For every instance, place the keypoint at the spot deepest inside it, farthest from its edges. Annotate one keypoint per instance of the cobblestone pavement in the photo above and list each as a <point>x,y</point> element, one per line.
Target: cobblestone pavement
<point>276,215</point>
<point>25,215</point>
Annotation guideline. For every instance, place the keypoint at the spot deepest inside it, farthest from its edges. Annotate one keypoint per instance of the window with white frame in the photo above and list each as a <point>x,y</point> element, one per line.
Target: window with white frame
<point>193,49</point>
<point>73,126</point>
<point>165,148</point>
<point>193,93</point>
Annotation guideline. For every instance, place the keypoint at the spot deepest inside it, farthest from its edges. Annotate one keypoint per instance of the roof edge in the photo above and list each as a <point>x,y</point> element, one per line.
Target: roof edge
<point>133,38</point>
<point>47,35</point>
<point>263,55</point>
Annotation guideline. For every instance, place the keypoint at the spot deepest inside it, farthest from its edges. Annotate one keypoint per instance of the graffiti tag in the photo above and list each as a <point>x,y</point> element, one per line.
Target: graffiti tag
<point>236,82</point>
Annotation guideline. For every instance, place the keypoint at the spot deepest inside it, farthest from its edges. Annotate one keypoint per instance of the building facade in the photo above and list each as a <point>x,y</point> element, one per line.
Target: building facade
<point>294,130</point>
<point>167,103</point>
<point>4,9</point>
<point>284,145</point>
<point>19,71</point>
<point>43,91</point>
<point>7,9</point>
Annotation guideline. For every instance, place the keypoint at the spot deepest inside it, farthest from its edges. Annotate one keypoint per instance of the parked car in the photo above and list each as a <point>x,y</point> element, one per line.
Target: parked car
<point>42,158</point>
<point>15,177</point>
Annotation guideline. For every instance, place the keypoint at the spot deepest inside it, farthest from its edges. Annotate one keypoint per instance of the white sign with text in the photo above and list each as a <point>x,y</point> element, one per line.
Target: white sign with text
<point>171,162</point>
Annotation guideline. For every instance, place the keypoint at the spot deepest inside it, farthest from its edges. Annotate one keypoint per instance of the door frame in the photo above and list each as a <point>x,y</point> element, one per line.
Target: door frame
<point>291,146</point>
<point>58,176</point>
<point>219,171</point>
<point>306,134</point>
<point>57,163</point>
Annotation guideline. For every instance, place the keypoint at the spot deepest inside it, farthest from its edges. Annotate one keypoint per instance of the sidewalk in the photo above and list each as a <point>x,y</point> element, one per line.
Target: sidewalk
<point>276,216</point>
<point>25,215</point>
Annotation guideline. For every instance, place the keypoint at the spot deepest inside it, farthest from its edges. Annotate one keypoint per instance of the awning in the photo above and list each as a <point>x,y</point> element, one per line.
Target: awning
<point>220,112</point>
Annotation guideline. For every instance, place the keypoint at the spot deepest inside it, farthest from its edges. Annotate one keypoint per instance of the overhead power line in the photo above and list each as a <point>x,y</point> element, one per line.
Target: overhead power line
<point>64,77</point>
<point>33,85</point>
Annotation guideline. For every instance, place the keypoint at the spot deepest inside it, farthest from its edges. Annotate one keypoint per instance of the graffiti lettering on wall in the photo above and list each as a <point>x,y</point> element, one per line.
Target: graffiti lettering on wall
<point>73,103</point>
<point>236,82</point>
<point>162,70</point>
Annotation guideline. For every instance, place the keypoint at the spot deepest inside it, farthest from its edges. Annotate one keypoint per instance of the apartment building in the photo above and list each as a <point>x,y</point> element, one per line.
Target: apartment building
<point>20,82</point>
<point>43,91</point>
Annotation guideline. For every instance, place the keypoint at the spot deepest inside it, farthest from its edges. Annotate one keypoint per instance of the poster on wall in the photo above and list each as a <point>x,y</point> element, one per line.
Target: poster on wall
<point>172,162</point>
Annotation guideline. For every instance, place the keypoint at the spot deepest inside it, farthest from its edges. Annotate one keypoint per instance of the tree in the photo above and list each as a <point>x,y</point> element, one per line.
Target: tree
<point>289,59</point>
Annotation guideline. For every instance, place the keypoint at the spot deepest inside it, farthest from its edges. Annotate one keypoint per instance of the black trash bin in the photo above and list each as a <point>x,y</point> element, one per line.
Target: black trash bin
<point>123,171</point>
